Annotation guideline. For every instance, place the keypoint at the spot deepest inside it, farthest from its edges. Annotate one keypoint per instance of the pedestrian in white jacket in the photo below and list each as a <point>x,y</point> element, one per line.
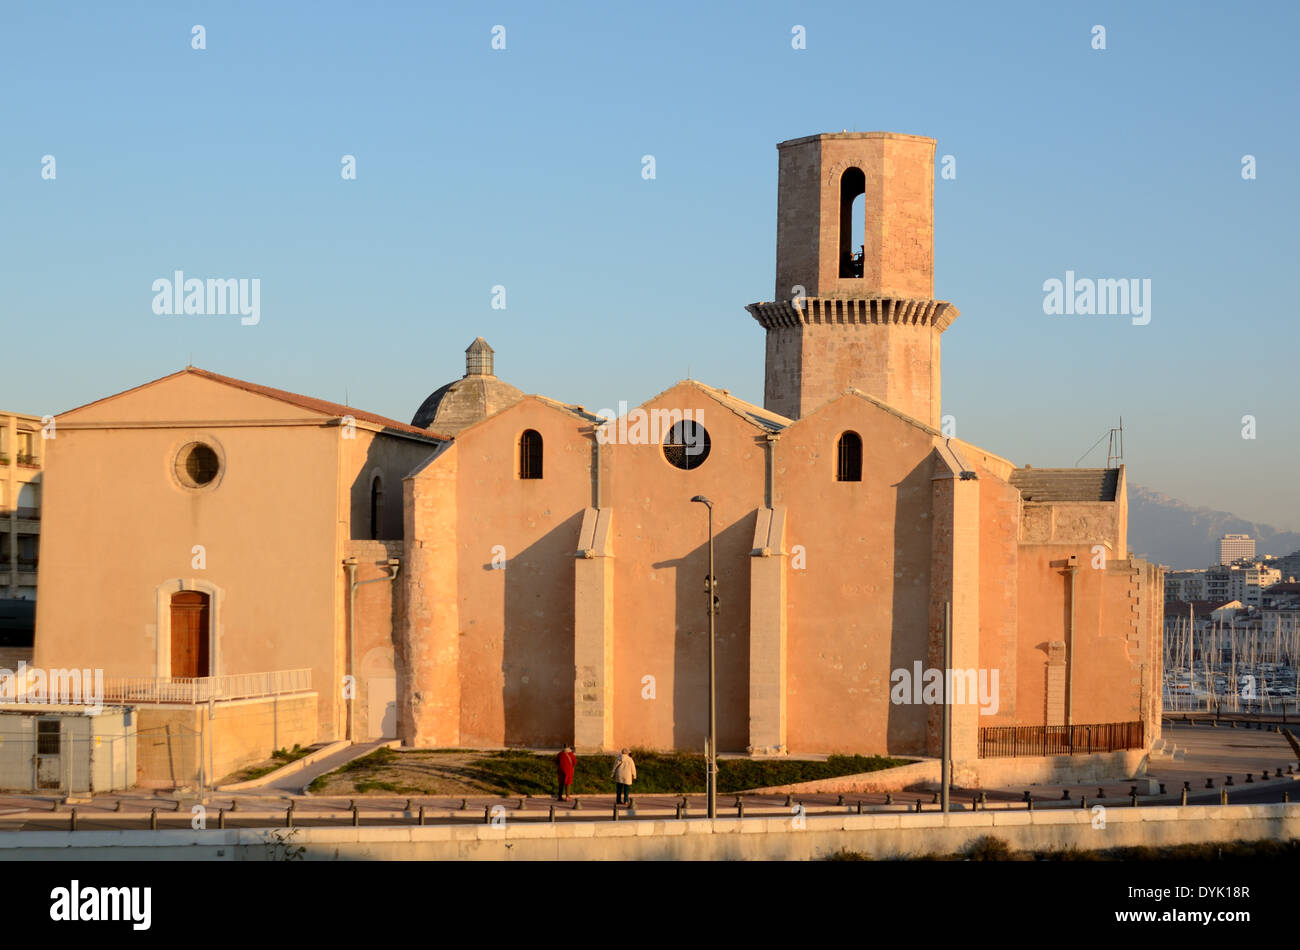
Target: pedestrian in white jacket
<point>624,775</point>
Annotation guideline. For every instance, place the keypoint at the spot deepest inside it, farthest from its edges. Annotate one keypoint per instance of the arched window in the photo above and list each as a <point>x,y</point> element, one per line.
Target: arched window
<point>376,507</point>
<point>853,203</point>
<point>848,465</point>
<point>530,454</point>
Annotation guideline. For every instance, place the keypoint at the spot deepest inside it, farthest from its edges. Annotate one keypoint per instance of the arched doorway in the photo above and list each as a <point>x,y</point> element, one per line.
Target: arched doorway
<point>191,644</point>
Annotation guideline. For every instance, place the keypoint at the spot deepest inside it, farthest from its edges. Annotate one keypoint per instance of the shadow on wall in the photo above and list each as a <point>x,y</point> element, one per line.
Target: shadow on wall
<point>375,505</point>
<point>731,553</point>
<point>537,657</point>
<point>907,725</point>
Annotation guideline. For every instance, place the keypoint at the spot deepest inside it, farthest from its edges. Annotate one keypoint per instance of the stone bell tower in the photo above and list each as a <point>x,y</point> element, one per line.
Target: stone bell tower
<point>854,302</point>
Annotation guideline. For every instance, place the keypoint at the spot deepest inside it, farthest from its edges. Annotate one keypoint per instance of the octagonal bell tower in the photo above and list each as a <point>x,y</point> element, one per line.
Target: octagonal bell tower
<point>854,302</point>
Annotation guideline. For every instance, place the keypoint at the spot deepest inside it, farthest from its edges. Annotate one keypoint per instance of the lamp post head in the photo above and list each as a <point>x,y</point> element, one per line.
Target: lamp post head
<point>702,500</point>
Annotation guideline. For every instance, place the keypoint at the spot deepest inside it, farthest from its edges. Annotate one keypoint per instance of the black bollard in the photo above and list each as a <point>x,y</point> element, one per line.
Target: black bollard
<point>356,817</point>
<point>1209,783</point>
<point>153,819</point>
<point>577,803</point>
<point>935,800</point>
<point>288,817</point>
<point>552,814</point>
<point>1133,799</point>
<point>420,820</point>
<point>1100,793</point>
<point>408,805</point>
<point>918,805</point>
<point>1250,778</point>
<point>119,805</point>
<point>1065,794</point>
<point>859,807</point>
<point>1182,797</point>
<point>788,802</point>
<point>838,801</point>
<point>487,814</point>
<point>234,804</point>
<point>740,809</point>
<point>72,821</point>
<point>615,811</point>
<point>679,809</point>
<point>889,798</point>
<point>521,804</point>
<point>1162,788</point>
<point>1229,781</point>
<point>221,819</point>
<point>1187,785</point>
<point>1083,802</point>
<point>464,804</point>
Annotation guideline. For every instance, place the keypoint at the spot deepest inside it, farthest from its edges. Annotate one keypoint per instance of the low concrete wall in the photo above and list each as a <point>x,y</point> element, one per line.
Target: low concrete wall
<point>983,773</point>
<point>173,740</point>
<point>758,839</point>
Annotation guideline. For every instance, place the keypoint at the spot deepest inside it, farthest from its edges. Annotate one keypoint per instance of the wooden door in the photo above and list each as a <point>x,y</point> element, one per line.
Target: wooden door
<point>189,633</point>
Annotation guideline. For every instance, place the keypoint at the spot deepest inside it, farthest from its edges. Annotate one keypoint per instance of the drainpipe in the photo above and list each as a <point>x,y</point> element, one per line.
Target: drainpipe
<point>770,487</point>
<point>350,563</point>
<point>1072,568</point>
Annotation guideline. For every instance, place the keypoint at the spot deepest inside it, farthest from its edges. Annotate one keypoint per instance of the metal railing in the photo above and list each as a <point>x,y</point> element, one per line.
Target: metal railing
<point>201,689</point>
<point>1005,741</point>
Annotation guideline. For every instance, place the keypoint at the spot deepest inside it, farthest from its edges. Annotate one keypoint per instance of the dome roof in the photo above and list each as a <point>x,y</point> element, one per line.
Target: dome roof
<point>464,402</point>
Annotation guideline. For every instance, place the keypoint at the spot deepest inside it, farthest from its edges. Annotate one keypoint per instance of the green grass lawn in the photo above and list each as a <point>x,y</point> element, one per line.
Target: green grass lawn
<point>526,773</point>
<point>279,759</point>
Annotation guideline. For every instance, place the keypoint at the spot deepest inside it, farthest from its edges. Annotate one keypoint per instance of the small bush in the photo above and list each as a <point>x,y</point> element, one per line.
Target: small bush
<point>988,848</point>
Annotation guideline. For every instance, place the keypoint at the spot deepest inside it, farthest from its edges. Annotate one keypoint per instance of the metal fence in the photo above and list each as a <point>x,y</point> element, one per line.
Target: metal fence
<point>200,689</point>
<point>1005,741</point>
<point>68,763</point>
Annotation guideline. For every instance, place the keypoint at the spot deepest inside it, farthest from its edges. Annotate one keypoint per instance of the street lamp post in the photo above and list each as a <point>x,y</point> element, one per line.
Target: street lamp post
<point>710,587</point>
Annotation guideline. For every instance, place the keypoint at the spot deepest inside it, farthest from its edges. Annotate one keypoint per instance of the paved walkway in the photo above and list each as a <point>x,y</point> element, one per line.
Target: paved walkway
<point>297,782</point>
<point>1208,752</point>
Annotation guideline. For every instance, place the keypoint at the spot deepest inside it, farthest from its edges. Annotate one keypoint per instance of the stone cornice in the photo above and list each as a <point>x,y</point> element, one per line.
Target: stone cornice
<point>913,311</point>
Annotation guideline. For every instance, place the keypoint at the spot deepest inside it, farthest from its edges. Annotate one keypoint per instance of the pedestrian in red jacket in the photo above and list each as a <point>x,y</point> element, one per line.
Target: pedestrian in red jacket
<point>565,763</point>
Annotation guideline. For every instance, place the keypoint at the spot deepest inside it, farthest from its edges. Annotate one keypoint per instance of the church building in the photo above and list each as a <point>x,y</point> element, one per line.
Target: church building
<point>512,570</point>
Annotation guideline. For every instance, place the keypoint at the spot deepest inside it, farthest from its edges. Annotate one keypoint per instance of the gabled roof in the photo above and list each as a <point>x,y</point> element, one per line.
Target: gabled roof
<point>878,403</point>
<point>1066,484</point>
<point>310,403</point>
<point>570,408</point>
<point>757,415</point>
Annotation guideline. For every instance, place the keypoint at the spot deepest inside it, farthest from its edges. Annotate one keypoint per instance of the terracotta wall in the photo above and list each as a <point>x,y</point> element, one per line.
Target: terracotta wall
<point>860,609</point>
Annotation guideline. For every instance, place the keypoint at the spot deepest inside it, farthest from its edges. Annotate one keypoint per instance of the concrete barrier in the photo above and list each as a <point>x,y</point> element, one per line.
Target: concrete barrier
<point>784,839</point>
<point>1099,768</point>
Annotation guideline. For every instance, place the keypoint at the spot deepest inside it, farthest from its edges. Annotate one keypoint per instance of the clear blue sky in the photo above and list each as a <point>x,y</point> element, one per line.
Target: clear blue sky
<point>522,168</point>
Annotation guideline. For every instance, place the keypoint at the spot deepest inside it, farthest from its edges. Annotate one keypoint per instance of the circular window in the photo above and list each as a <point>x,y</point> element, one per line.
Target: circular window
<point>687,445</point>
<point>197,465</point>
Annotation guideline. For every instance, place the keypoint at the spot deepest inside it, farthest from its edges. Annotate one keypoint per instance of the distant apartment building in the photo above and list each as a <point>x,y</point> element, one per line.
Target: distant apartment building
<point>1245,582</point>
<point>1185,586</point>
<point>1235,547</point>
<point>20,504</point>
<point>1289,565</point>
